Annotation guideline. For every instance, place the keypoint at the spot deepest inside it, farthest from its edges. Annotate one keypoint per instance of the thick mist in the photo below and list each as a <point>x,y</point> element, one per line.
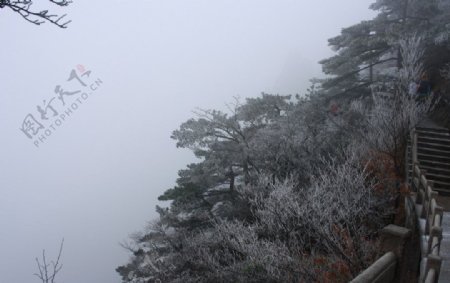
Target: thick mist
<point>96,178</point>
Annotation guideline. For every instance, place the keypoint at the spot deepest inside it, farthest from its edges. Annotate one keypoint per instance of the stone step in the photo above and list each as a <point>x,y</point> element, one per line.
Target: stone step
<point>438,185</point>
<point>438,177</point>
<point>445,192</point>
<point>434,135</point>
<point>435,146</point>
<point>441,178</point>
<point>433,151</point>
<point>434,164</point>
<point>441,141</point>
<point>432,157</point>
<point>441,146</point>
<point>432,130</point>
<point>434,170</point>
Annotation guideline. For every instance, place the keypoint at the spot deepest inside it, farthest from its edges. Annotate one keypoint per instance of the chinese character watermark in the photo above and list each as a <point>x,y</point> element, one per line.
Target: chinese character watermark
<point>53,112</point>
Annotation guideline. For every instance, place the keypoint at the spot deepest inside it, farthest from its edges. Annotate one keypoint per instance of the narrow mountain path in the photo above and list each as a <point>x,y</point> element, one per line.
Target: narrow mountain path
<point>433,153</point>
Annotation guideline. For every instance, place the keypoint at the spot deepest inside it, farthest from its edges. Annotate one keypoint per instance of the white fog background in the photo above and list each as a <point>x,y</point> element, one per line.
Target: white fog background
<point>96,179</point>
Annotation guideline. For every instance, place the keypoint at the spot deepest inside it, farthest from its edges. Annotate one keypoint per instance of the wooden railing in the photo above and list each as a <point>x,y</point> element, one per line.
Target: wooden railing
<point>381,271</point>
<point>388,268</point>
<point>391,266</point>
<point>430,218</point>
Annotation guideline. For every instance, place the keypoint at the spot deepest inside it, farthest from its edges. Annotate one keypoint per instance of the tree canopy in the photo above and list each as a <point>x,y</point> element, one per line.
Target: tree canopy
<point>369,52</point>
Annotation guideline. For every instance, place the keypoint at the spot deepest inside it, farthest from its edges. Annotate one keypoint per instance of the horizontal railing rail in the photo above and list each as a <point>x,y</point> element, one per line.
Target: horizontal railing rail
<point>381,271</point>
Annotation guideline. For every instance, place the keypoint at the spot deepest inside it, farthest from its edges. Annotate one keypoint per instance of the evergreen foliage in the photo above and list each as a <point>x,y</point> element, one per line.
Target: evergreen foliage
<point>287,189</point>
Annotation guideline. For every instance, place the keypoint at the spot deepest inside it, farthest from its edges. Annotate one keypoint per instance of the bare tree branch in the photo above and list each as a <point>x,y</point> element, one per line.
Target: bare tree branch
<point>24,9</point>
<point>47,272</point>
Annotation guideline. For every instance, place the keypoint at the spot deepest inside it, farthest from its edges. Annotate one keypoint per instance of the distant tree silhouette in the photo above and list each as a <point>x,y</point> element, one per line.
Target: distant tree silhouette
<point>25,9</point>
<point>48,271</point>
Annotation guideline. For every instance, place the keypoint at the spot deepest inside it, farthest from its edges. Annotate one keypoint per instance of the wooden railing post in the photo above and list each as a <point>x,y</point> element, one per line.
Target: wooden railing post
<point>415,177</point>
<point>414,146</point>
<point>433,268</point>
<point>396,239</point>
<point>433,245</point>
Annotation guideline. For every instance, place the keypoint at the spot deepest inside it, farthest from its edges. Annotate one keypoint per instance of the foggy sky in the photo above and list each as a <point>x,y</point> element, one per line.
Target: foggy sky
<point>96,179</point>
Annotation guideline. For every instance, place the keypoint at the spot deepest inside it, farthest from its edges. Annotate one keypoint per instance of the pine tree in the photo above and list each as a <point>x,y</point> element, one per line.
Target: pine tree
<point>365,49</point>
